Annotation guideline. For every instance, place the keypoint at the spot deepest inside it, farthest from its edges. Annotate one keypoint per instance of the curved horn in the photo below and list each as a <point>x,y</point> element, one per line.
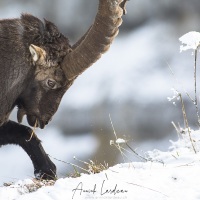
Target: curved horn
<point>97,39</point>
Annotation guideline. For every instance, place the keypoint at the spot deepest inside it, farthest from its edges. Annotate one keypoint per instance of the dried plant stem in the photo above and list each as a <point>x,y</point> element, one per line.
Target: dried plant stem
<point>121,149</point>
<point>178,82</point>
<point>117,145</point>
<point>195,86</point>
<point>69,163</point>
<point>186,122</point>
<point>138,155</point>
<point>33,131</point>
<point>122,153</point>
<point>148,189</point>
<point>176,128</point>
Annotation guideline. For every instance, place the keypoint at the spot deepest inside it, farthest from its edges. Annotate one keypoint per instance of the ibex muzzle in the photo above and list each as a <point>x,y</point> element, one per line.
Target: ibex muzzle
<point>38,65</point>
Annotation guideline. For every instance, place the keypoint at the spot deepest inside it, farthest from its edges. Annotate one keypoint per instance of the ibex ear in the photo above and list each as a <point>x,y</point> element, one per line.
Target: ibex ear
<point>38,54</point>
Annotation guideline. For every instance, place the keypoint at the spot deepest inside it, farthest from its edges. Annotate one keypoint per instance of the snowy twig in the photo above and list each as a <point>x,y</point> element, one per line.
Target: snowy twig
<point>186,165</point>
<point>195,85</point>
<point>148,188</point>
<point>179,83</point>
<point>178,130</point>
<point>93,167</point>
<point>117,145</point>
<point>136,152</point>
<point>191,40</point>
<point>69,163</point>
<point>119,141</point>
<point>186,122</point>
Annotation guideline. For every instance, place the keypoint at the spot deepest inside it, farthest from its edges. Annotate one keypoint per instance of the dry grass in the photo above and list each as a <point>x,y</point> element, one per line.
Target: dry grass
<point>91,167</point>
<point>28,188</point>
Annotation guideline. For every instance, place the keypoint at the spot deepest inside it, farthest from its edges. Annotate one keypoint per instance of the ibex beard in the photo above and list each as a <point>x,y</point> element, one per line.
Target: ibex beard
<point>37,66</point>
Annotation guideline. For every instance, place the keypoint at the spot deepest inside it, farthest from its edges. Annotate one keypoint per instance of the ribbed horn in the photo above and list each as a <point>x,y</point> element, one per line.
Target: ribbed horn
<point>96,40</point>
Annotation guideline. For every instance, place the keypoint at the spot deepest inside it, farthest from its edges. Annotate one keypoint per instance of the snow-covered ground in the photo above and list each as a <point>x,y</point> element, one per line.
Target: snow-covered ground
<point>170,175</point>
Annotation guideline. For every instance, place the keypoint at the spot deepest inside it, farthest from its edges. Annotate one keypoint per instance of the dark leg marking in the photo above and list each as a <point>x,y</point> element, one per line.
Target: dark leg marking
<point>14,133</point>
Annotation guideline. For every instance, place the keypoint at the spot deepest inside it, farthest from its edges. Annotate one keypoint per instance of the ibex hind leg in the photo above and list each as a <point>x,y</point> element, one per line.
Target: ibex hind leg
<point>14,133</point>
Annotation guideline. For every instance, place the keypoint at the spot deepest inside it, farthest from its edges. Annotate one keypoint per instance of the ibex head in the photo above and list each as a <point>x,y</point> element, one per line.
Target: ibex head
<point>56,64</point>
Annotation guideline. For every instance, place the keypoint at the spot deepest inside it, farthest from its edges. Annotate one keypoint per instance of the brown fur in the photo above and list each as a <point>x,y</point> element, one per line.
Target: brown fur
<point>38,65</point>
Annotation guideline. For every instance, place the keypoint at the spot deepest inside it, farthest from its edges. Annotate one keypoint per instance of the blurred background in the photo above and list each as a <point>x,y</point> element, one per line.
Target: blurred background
<point>131,83</point>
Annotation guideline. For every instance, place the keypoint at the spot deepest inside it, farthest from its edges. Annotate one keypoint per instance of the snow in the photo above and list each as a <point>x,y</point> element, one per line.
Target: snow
<point>170,175</point>
<point>190,40</point>
<point>120,141</point>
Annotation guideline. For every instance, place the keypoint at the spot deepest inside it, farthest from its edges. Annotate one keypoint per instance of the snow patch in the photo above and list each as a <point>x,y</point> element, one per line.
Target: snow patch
<point>190,40</point>
<point>177,177</point>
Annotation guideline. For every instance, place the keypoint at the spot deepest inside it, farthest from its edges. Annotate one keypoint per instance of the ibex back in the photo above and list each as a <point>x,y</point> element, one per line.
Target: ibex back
<point>37,66</point>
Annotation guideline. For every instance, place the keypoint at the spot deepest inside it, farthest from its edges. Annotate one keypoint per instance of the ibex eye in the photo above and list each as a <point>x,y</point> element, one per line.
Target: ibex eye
<point>51,84</point>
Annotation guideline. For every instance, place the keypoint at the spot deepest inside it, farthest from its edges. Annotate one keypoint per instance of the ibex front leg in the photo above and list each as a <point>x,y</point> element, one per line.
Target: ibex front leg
<point>14,133</point>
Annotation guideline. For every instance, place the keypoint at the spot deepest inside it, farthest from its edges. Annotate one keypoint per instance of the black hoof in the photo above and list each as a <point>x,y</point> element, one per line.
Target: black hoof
<point>48,173</point>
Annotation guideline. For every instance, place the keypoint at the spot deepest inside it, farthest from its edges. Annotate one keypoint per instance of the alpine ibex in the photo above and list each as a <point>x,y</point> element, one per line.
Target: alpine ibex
<point>38,65</point>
